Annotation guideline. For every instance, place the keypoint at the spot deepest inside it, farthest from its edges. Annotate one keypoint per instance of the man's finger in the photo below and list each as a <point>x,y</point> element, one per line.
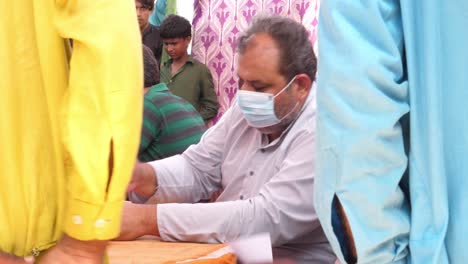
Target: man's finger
<point>131,187</point>
<point>29,259</point>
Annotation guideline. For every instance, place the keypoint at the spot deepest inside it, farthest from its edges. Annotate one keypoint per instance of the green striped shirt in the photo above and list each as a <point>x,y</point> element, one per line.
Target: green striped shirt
<point>170,125</point>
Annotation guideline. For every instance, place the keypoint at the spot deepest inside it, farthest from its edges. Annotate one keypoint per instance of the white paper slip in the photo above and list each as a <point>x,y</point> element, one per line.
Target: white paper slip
<point>254,249</point>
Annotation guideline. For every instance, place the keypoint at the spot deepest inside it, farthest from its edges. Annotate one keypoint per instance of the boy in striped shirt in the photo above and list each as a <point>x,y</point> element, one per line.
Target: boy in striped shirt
<point>170,124</point>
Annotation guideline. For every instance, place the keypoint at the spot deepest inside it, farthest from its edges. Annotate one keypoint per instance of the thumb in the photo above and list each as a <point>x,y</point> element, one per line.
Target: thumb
<point>29,259</point>
<point>131,187</point>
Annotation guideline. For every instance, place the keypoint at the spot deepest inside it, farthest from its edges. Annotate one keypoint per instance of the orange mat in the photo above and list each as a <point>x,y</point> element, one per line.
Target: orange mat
<point>154,252</point>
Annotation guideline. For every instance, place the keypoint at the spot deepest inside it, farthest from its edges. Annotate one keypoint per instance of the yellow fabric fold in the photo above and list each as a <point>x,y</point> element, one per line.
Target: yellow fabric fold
<point>64,118</point>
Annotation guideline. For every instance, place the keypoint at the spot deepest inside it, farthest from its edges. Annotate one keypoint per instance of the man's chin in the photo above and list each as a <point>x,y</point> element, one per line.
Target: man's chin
<point>271,129</point>
<point>278,128</point>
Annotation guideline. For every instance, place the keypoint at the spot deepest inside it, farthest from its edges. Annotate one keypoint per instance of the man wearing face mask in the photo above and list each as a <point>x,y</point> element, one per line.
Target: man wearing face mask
<point>260,154</point>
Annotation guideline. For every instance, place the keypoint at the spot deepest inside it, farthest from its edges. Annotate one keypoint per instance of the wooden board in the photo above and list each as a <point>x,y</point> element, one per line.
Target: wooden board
<point>150,250</point>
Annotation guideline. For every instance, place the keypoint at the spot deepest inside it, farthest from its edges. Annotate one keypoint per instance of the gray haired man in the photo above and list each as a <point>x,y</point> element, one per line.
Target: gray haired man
<point>260,155</point>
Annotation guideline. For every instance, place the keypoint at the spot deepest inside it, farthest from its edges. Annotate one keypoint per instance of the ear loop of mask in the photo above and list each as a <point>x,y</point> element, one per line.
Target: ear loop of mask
<point>285,87</point>
<point>295,106</point>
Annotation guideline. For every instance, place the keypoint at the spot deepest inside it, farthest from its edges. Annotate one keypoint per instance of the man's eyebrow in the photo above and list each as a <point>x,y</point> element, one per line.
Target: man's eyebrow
<point>258,82</point>
<point>253,82</point>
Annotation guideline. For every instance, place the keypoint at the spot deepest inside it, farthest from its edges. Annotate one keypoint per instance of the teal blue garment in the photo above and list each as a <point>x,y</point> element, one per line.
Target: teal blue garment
<point>159,13</point>
<point>392,131</point>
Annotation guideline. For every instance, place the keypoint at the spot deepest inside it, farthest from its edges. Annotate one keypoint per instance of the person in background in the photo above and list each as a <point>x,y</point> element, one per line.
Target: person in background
<point>392,127</point>
<point>159,12</point>
<point>170,124</point>
<point>185,76</point>
<point>68,125</point>
<point>258,154</point>
<point>149,33</point>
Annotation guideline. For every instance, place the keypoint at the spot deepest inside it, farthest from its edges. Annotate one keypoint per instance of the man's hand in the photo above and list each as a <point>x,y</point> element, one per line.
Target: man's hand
<point>143,180</point>
<point>138,220</point>
<point>71,251</point>
<point>12,259</point>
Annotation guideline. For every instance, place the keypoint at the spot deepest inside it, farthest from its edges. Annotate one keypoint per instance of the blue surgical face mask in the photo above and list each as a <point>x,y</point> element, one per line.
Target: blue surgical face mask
<point>259,108</point>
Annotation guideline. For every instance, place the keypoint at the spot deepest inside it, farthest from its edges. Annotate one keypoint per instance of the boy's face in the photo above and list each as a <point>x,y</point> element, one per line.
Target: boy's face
<point>143,14</point>
<point>176,47</point>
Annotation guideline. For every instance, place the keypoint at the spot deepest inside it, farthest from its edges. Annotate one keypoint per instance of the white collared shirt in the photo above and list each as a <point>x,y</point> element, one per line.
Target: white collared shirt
<point>267,187</point>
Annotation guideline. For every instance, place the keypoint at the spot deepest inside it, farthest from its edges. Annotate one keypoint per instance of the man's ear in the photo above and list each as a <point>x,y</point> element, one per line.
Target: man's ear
<point>304,84</point>
<point>187,39</point>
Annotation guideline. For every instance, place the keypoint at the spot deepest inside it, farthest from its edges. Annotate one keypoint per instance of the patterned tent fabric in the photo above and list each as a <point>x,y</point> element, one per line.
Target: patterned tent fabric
<point>217,24</point>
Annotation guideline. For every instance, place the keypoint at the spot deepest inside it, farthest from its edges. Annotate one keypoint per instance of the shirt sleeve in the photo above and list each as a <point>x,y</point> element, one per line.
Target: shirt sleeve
<point>208,98</point>
<point>362,100</point>
<point>101,112</point>
<point>194,175</point>
<point>275,209</point>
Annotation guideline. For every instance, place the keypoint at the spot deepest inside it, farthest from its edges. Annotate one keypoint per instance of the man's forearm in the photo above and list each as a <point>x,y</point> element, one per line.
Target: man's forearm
<point>151,220</point>
<point>144,180</point>
<point>138,220</point>
<point>79,247</point>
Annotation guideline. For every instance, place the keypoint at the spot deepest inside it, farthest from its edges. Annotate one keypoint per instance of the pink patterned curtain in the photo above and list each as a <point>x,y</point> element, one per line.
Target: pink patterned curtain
<point>217,24</point>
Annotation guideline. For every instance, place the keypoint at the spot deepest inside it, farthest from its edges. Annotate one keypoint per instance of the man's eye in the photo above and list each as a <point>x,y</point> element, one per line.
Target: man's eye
<point>260,88</point>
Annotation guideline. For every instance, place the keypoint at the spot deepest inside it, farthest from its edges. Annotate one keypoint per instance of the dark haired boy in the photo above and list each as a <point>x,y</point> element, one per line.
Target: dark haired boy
<point>149,33</point>
<point>185,76</point>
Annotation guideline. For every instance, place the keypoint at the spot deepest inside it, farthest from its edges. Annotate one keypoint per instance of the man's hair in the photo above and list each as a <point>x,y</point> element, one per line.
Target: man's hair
<point>175,26</point>
<point>151,69</point>
<point>148,4</point>
<point>296,51</point>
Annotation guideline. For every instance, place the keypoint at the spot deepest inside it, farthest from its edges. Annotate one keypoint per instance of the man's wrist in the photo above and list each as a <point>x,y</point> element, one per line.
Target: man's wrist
<point>149,219</point>
<point>151,184</point>
<point>74,246</point>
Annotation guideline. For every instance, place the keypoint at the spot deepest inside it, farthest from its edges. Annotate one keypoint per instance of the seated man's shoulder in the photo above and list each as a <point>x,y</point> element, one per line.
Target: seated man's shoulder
<point>157,97</point>
<point>162,98</point>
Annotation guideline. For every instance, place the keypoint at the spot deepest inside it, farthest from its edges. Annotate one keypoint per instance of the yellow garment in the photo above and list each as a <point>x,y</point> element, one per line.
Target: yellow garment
<point>64,121</point>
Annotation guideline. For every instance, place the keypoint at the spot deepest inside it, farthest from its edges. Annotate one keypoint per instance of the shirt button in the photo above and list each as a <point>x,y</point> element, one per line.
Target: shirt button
<point>242,197</point>
<point>77,220</point>
<point>251,173</point>
<point>100,223</point>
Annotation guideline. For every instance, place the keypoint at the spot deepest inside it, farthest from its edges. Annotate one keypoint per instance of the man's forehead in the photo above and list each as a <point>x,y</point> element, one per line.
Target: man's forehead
<point>261,50</point>
<point>262,43</point>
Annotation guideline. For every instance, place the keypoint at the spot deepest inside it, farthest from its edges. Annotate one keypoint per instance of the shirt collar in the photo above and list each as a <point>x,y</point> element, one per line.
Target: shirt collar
<point>190,59</point>
<point>148,29</point>
<point>160,87</point>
